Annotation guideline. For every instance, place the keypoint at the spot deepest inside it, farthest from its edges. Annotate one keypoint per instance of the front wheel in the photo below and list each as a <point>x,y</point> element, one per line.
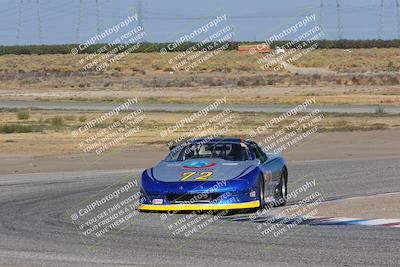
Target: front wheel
<point>261,188</point>
<point>281,189</point>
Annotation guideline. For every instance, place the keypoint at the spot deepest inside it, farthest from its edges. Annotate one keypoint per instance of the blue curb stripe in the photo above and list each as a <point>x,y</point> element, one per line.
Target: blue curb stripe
<point>350,222</point>
<point>319,221</point>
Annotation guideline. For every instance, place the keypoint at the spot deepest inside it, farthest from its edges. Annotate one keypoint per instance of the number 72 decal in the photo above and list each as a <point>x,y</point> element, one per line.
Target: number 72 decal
<point>203,175</point>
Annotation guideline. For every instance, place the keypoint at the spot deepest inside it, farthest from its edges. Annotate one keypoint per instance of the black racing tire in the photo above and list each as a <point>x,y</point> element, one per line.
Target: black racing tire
<point>261,193</point>
<point>281,190</point>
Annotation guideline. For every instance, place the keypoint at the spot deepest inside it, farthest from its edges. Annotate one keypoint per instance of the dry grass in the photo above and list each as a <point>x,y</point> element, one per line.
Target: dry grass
<point>139,63</point>
<point>54,139</point>
<point>259,99</point>
<point>353,60</point>
<point>382,59</point>
<point>235,75</point>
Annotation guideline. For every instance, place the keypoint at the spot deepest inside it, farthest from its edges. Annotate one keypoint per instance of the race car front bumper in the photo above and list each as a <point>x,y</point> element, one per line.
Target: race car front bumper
<point>199,207</point>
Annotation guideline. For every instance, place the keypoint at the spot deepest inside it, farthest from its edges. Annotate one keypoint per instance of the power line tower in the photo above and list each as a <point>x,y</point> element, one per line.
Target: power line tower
<point>321,8</point>
<point>21,4</point>
<point>380,22</point>
<point>39,22</point>
<point>398,18</point>
<point>339,20</point>
<point>78,28</point>
<point>140,14</point>
<point>98,16</point>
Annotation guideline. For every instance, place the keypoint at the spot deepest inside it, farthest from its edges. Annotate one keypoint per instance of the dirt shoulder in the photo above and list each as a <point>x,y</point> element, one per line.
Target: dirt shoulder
<point>381,206</point>
<point>369,207</point>
<point>346,145</point>
<point>337,145</point>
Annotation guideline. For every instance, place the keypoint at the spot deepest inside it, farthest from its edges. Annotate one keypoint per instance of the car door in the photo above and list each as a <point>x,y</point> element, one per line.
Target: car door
<point>270,167</point>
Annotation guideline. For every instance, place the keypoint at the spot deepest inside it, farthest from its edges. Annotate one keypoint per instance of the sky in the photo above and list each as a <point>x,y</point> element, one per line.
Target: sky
<point>74,21</point>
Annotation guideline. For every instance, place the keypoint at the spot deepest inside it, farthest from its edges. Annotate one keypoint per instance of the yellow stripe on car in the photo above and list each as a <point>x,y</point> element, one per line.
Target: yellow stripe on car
<point>185,207</point>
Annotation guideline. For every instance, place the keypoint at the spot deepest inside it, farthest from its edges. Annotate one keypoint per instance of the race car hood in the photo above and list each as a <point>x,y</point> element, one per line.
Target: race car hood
<point>167,171</point>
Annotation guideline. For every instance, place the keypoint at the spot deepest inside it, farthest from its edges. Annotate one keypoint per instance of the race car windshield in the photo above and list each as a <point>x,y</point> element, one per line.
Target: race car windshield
<point>226,151</point>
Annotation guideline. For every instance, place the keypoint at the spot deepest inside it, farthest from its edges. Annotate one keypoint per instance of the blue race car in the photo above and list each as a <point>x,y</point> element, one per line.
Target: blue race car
<point>214,174</point>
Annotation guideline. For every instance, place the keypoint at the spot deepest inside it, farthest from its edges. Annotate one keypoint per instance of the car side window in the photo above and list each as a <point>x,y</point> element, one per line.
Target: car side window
<point>259,153</point>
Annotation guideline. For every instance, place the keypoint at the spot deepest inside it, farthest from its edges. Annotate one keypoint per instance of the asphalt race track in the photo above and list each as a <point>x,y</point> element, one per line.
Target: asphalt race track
<point>34,228</point>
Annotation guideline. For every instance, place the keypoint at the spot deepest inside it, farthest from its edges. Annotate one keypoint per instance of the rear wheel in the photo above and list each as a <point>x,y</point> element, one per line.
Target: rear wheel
<point>281,189</point>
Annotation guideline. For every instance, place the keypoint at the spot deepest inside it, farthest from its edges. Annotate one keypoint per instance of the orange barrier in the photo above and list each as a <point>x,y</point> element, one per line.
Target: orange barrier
<point>258,48</point>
